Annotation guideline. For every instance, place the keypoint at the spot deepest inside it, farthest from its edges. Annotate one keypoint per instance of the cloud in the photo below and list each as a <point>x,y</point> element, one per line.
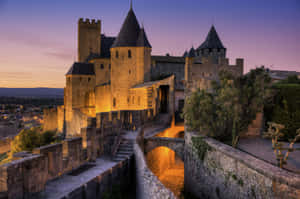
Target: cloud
<point>16,75</point>
<point>48,47</point>
<point>62,54</point>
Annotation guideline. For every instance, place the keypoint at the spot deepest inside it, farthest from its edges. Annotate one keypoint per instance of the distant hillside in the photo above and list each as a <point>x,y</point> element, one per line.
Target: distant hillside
<point>32,92</point>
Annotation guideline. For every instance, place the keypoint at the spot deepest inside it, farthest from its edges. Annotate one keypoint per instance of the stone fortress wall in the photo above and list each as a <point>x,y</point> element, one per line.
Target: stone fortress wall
<point>27,175</point>
<point>225,172</point>
<point>148,185</point>
<point>201,74</point>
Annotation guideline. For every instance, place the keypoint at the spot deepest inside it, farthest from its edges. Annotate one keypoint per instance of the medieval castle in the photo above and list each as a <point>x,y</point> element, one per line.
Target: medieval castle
<point>119,75</point>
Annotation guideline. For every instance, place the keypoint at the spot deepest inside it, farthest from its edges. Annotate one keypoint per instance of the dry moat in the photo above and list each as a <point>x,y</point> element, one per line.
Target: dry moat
<point>165,164</point>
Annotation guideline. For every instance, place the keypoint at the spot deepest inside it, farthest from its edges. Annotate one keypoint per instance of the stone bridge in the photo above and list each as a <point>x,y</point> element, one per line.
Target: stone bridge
<point>175,144</point>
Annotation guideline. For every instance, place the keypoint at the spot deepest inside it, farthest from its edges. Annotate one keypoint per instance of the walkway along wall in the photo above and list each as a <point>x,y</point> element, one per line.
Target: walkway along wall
<point>220,171</point>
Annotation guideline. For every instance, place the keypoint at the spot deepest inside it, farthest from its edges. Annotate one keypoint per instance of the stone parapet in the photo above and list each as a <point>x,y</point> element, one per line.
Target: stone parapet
<point>24,178</point>
<point>148,185</point>
<point>231,173</point>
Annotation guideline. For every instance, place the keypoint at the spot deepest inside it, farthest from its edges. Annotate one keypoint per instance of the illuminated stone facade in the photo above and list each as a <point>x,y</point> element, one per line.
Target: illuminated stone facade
<point>119,74</point>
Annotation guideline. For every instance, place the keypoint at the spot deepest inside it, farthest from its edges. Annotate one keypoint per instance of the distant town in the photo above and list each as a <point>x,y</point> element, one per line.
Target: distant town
<point>19,113</point>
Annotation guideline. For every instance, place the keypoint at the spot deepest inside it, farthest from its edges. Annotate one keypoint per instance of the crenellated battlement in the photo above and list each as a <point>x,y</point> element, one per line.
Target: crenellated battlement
<point>88,21</point>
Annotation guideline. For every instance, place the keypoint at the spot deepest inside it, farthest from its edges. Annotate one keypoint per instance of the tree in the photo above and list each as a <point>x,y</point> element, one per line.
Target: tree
<point>226,111</point>
<point>28,139</point>
<point>274,132</point>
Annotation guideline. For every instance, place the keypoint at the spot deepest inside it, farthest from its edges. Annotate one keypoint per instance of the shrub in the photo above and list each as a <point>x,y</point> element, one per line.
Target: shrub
<point>28,139</point>
<point>285,108</point>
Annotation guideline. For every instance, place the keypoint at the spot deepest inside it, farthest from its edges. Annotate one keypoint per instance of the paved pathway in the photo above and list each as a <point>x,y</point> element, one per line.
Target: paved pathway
<point>262,148</point>
<point>67,183</point>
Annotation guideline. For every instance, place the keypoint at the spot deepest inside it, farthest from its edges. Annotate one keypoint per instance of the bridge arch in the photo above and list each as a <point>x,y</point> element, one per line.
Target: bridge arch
<point>175,144</point>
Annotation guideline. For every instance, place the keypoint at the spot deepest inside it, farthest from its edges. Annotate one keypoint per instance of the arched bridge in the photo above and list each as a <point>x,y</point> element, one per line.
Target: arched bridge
<point>176,144</point>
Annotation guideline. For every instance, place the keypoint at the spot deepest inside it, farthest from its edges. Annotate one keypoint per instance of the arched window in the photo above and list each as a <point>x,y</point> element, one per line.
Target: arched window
<point>114,102</point>
<point>129,53</point>
<point>117,54</point>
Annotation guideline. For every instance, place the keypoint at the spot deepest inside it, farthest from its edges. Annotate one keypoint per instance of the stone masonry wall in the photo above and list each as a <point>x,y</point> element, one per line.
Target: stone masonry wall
<point>23,179</point>
<point>26,178</point>
<point>102,184</point>
<point>148,185</point>
<point>50,119</point>
<point>220,171</point>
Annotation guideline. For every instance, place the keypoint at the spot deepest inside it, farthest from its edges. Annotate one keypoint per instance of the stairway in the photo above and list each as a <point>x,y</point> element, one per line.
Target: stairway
<point>125,150</point>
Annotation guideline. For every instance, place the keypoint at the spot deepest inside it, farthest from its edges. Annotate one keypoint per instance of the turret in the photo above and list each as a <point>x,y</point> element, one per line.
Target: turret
<point>130,60</point>
<point>89,38</point>
<point>189,61</point>
<point>212,47</point>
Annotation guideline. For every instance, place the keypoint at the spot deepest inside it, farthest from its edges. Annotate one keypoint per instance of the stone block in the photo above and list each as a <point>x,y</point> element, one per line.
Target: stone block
<point>54,155</point>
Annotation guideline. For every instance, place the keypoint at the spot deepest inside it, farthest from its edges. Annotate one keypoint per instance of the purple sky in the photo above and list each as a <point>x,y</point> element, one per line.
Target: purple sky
<point>39,37</point>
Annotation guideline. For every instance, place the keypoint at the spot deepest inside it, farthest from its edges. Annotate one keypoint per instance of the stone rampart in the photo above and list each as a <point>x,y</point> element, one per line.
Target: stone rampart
<point>24,178</point>
<point>101,185</point>
<point>217,171</point>
<point>148,185</point>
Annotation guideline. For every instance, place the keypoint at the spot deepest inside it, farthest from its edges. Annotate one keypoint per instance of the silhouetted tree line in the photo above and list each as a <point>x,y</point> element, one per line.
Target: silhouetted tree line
<point>32,101</point>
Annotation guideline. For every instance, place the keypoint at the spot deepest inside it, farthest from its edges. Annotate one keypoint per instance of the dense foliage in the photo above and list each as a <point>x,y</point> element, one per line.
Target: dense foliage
<point>28,139</point>
<point>226,111</point>
<point>285,108</point>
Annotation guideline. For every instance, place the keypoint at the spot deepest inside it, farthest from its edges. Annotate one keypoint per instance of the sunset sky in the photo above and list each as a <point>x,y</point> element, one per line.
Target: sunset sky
<point>38,38</point>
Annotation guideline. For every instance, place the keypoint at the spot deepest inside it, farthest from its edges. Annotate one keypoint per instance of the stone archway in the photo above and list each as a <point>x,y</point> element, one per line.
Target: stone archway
<point>175,144</point>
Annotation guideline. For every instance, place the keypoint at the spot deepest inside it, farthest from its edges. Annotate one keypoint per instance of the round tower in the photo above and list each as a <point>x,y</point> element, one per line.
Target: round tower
<point>130,61</point>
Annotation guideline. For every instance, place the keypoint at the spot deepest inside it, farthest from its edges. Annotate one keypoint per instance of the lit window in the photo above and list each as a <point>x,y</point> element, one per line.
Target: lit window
<point>114,102</point>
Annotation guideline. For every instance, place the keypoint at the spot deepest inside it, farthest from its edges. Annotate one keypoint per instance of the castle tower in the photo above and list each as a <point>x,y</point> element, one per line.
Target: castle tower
<point>80,84</point>
<point>130,61</point>
<point>212,47</point>
<point>89,38</point>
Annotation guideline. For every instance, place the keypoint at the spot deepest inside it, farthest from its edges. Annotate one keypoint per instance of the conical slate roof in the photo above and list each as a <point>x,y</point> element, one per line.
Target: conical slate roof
<point>129,32</point>
<point>185,54</point>
<point>142,39</point>
<point>191,53</point>
<point>212,40</point>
